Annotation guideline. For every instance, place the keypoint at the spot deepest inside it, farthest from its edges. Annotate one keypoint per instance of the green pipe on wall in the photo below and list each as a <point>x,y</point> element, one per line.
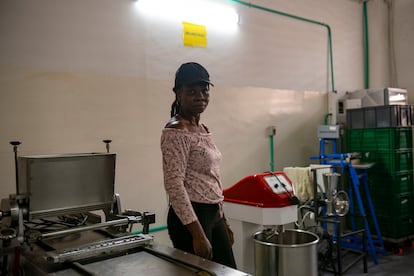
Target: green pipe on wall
<point>301,19</point>
<point>366,42</point>
<point>326,119</point>
<point>272,154</point>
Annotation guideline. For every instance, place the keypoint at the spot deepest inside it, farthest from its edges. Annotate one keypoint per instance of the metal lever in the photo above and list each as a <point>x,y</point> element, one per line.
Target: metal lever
<point>118,222</point>
<point>147,219</point>
<point>107,142</point>
<point>15,144</point>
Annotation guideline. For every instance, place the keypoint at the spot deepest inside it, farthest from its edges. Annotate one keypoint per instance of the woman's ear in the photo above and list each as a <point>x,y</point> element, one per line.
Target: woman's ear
<point>178,94</point>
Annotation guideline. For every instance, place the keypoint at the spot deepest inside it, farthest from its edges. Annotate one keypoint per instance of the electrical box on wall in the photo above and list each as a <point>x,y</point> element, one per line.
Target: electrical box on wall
<point>328,131</point>
<point>271,131</point>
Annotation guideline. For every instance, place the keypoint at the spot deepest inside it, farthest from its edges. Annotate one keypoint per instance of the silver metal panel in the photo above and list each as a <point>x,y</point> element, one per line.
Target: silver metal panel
<point>140,263</point>
<point>63,184</point>
<point>106,246</point>
<point>328,131</point>
<point>153,260</point>
<point>378,97</point>
<point>184,258</point>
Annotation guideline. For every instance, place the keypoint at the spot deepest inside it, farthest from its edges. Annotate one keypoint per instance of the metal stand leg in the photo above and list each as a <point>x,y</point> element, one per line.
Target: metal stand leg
<point>340,268</point>
<point>379,240</point>
<point>355,186</point>
<point>355,183</point>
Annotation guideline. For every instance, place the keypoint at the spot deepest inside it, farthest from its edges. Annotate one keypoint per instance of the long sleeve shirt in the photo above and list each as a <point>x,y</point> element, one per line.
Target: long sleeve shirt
<point>191,166</point>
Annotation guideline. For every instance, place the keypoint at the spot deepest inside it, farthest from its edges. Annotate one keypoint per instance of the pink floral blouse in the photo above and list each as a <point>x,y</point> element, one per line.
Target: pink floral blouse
<point>191,165</point>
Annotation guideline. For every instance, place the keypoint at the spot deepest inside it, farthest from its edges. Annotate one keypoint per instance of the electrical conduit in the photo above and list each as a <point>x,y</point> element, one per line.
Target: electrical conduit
<point>272,155</point>
<point>365,19</point>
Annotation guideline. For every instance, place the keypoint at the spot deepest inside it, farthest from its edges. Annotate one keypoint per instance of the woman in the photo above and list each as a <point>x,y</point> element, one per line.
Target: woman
<point>196,223</point>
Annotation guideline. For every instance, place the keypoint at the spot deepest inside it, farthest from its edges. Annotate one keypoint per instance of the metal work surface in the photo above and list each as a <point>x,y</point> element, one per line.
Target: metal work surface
<point>154,259</point>
<point>140,263</point>
<point>95,253</point>
<point>183,258</point>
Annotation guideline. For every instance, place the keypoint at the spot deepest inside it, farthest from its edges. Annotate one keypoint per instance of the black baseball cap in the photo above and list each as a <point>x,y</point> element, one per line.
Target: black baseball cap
<point>191,73</point>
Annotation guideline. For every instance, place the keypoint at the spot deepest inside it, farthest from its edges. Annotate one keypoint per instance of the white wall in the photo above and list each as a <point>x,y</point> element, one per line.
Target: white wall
<point>73,73</point>
<point>378,50</point>
<point>404,45</point>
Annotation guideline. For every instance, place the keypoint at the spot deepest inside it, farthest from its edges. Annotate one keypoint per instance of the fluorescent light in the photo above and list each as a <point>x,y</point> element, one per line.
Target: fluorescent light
<point>199,12</point>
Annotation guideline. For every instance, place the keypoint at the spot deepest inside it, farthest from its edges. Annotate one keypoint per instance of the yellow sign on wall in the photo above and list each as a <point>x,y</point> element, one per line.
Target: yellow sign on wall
<point>194,35</point>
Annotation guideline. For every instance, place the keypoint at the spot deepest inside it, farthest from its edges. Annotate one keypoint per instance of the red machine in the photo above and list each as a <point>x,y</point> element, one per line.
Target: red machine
<point>265,190</point>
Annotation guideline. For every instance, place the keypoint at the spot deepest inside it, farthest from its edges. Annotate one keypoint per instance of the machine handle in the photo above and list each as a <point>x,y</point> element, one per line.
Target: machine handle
<point>107,142</point>
<point>15,144</point>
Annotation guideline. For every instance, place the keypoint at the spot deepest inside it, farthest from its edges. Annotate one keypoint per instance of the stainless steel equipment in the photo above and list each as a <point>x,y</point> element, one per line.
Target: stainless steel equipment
<point>66,219</point>
<point>377,97</point>
<point>328,131</point>
<point>373,97</point>
<point>291,252</point>
<point>257,202</point>
<point>63,184</point>
<point>337,202</point>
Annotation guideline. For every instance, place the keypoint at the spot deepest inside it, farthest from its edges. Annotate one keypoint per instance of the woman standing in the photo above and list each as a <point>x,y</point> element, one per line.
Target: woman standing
<point>191,163</point>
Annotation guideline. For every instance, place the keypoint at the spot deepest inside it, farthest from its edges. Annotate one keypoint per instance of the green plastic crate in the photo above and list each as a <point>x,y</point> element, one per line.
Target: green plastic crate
<point>384,184</point>
<point>369,139</point>
<point>395,226</point>
<point>354,139</point>
<point>393,205</point>
<point>389,226</point>
<point>379,139</point>
<point>390,161</point>
<point>385,205</point>
<point>394,138</point>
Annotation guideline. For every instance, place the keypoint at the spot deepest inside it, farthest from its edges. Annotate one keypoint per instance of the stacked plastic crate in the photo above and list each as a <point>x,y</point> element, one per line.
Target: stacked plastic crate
<point>383,135</point>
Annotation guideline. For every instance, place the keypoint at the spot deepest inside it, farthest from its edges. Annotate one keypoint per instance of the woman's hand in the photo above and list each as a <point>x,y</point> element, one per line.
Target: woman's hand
<point>201,244</point>
<point>202,248</point>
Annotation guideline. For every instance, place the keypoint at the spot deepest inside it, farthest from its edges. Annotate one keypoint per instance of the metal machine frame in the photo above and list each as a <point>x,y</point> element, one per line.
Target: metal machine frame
<point>50,226</point>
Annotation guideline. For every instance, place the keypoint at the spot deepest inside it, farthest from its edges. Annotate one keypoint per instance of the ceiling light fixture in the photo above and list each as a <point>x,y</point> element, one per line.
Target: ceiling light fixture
<point>202,12</point>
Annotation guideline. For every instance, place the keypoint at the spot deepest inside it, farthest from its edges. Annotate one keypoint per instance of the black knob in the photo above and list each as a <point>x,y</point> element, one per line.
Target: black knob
<point>15,143</point>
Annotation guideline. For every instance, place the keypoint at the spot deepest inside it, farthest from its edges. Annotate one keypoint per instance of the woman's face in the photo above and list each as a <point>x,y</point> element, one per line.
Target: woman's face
<point>193,99</point>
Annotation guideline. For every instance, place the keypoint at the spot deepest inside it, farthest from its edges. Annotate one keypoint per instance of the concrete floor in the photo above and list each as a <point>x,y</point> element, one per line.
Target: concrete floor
<point>393,264</point>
